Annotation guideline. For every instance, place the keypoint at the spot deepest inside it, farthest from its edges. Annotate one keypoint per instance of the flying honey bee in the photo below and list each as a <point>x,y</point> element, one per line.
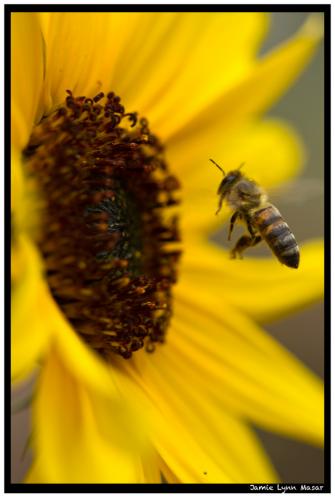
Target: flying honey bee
<point>263,220</point>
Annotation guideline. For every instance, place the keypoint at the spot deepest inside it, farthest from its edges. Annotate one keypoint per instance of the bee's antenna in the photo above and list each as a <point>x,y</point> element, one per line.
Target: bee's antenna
<point>217,166</point>
<point>239,168</point>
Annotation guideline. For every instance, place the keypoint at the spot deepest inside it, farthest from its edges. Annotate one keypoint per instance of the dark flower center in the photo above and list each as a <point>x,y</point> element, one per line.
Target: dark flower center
<point>109,241</point>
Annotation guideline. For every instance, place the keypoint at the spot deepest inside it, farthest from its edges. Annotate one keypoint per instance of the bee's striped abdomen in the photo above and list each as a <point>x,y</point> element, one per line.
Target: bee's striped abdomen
<point>277,234</point>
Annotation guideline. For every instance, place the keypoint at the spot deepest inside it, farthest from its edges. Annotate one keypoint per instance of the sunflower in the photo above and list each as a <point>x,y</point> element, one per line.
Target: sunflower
<point>143,335</point>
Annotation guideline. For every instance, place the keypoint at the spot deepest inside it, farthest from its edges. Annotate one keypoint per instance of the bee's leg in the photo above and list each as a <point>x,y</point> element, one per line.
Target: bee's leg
<point>243,243</point>
<point>220,205</point>
<point>232,222</point>
<point>250,228</point>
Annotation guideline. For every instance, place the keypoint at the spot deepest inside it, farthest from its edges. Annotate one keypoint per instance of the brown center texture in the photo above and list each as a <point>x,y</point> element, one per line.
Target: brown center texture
<point>109,240</point>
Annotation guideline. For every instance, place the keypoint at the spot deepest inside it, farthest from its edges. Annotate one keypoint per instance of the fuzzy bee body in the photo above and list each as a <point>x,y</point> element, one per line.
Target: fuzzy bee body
<point>263,220</point>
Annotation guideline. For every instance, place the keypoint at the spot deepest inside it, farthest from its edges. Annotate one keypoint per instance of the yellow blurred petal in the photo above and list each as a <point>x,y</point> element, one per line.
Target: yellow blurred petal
<point>151,469</point>
<point>263,288</point>
<point>26,202</point>
<point>180,447</point>
<point>154,31</point>
<point>71,440</point>
<point>228,443</point>
<point>252,143</point>
<point>82,50</point>
<point>261,87</point>
<point>188,459</point>
<point>34,475</point>
<point>80,359</point>
<point>104,53</point>
<point>187,60</point>
<point>171,437</point>
<point>31,307</point>
<point>168,475</point>
<point>17,184</point>
<point>243,368</point>
<point>72,42</point>
<point>26,75</point>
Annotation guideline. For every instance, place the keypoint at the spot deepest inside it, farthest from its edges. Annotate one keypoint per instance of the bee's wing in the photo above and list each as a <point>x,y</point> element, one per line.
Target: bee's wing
<point>297,192</point>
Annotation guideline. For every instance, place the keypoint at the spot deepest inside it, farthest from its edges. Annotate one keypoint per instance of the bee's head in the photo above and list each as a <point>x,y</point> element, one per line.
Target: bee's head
<point>228,181</point>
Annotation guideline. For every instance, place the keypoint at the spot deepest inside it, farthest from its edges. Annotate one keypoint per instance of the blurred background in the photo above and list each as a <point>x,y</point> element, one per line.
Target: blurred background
<point>302,333</point>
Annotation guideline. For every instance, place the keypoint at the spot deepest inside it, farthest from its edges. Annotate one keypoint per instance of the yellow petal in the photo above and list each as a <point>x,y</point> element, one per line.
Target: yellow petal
<point>186,61</point>
<point>31,307</point>
<point>26,75</point>
<point>71,440</point>
<point>221,444</point>
<point>82,50</point>
<point>263,288</point>
<point>152,469</point>
<point>82,361</point>
<point>34,475</point>
<point>70,44</point>
<point>103,51</point>
<point>171,436</point>
<point>17,185</point>
<point>266,81</point>
<point>168,475</point>
<point>109,52</point>
<point>244,369</point>
<point>253,143</point>
<point>153,31</point>
<point>185,454</point>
